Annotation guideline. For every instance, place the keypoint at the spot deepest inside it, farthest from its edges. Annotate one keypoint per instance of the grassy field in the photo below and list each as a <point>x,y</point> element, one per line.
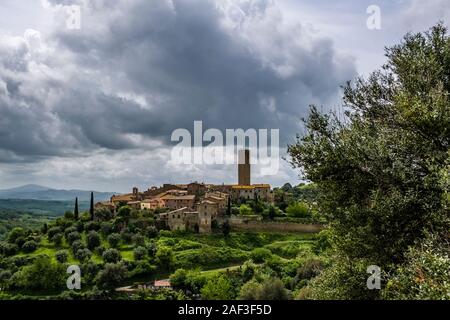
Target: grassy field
<point>205,252</point>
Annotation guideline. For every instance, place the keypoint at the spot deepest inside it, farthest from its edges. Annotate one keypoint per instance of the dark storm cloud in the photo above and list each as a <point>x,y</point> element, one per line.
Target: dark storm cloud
<point>145,68</point>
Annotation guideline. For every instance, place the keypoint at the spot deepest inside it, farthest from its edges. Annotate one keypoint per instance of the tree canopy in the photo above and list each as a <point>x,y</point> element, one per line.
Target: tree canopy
<point>382,172</point>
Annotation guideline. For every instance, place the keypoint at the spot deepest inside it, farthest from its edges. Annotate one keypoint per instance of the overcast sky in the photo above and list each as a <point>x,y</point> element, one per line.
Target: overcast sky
<point>94,108</point>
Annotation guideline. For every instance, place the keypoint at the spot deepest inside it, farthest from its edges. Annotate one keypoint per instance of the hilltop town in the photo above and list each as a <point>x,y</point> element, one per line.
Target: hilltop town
<point>194,206</point>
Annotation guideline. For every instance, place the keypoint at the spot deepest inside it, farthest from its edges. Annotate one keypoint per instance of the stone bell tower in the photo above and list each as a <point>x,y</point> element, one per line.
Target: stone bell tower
<point>244,167</point>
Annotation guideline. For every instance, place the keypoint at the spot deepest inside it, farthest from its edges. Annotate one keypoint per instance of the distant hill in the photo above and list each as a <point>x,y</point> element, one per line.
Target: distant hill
<point>47,208</point>
<point>37,192</point>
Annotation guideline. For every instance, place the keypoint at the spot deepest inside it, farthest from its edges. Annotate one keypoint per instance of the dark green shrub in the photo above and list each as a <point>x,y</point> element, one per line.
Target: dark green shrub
<point>72,237</point>
<point>260,254</point>
<point>93,240</point>
<point>61,256</point>
<point>152,232</point>
<point>83,254</point>
<point>139,253</point>
<point>139,240</point>
<point>111,255</point>
<point>114,240</point>
<point>29,246</point>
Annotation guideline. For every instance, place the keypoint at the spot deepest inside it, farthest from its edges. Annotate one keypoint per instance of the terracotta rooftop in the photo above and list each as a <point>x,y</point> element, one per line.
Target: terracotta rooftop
<point>162,283</point>
<point>123,197</point>
<point>171,197</point>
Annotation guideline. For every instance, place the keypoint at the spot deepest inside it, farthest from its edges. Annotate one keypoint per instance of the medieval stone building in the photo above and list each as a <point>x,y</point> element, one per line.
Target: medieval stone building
<point>195,206</point>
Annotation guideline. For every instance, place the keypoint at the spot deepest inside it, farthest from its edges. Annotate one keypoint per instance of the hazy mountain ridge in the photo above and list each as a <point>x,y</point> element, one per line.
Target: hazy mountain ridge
<point>37,192</point>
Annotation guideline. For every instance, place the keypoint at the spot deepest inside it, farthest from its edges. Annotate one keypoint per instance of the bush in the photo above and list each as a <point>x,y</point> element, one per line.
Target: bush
<point>111,255</point>
<point>139,240</point>
<point>106,228</point>
<point>425,274</point>
<point>165,233</point>
<point>124,212</point>
<point>322,242</point>
<point>142,268</point>
<point>103,214</point>
<point>260,254</point>
<point>8,249</point>
<point>178,279</point>
<point>271,212</point>
<point>192,280</point>
<point>270,289</point>
<point>15,234</point>
<point>298,210</point>
<point>77,245</point>
<point>248,270</point>
<point>217,288</point>
<point>19,261</point>
<point>114,240</point>
<point>92,226</point>
<point>152,232</point>
<point>139,253</point>
<point>112,275</point>
<point>57,239</point>
<point>250,290</point>
<point>79,226</point>
<point>245,210</point>
<point>99,250</point>
<point>20,241</point>
<point>61,256</point>
<point>89,271</point>
<point>93,240</point>
<point>304,294</point>
<point>52,232</point>
<point>164,256</point>
<point>126,236</point>
<point>5,276</point>
<point>83,254</point>
<point>41,275</point>
<point>69,230</point>
<point>72,237</point>
<point>29,246</point>
<point>209,256</point>
<point>343,280</point>
<point>69,215</point>
<point>311,268</point>
<point>151,249</point>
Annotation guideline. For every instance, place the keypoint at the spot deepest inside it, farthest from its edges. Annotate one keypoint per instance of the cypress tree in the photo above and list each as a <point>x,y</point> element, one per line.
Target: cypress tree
<point>91,208</point>
<point>229,206</point>
<point>75,212</point>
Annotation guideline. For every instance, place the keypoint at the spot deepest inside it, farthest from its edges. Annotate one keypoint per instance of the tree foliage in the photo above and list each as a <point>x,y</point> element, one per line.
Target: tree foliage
<point>380,171</point>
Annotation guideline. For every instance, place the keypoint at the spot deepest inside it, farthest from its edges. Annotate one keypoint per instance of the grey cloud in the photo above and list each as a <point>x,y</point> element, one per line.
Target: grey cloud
<point>180,58</point>
<point>199,71</point>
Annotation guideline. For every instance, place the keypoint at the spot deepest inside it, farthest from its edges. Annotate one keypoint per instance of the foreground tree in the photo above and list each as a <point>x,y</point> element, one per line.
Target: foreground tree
<point>42,274</point>
<point>217,288</point>
<point>382,173</point>
<point>112,275</point>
